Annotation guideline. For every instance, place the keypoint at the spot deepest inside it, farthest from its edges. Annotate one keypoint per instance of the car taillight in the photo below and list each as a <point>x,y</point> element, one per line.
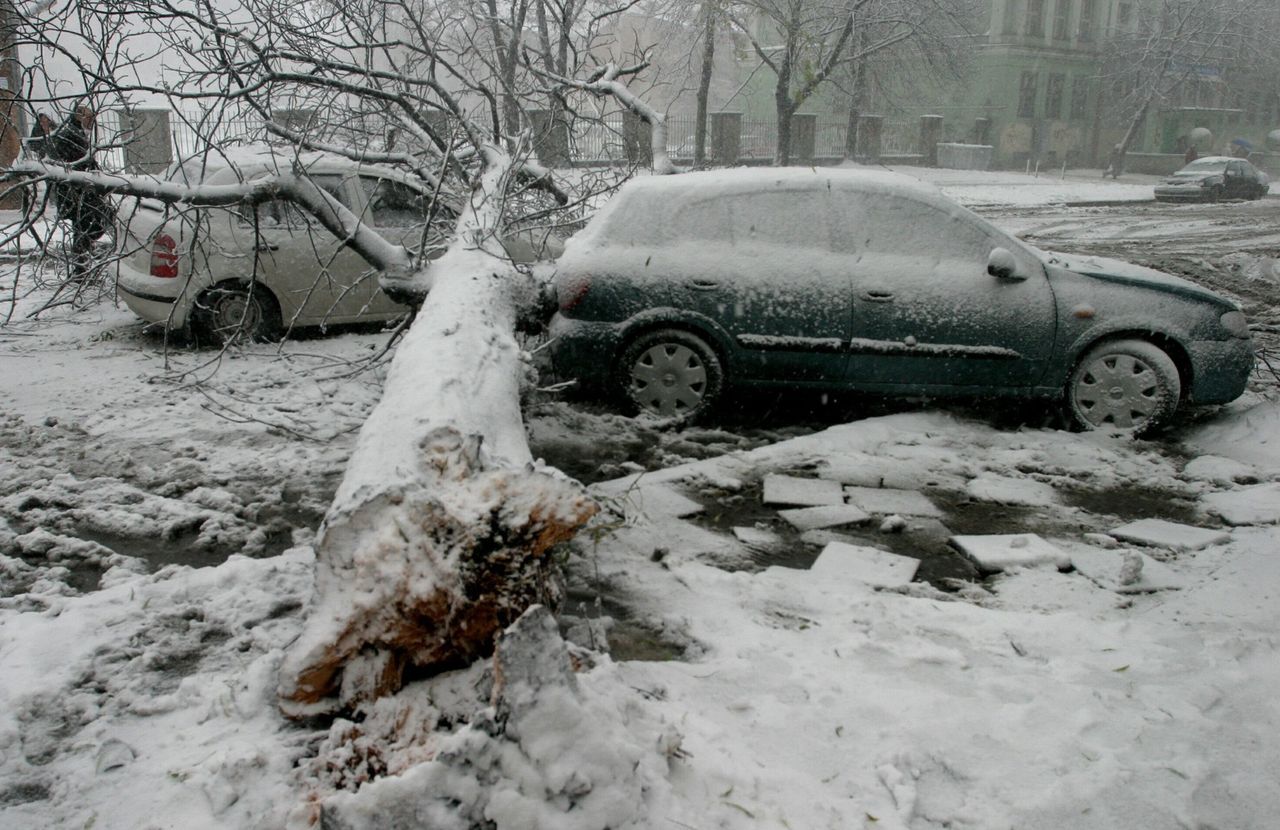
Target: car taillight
<point>164,256</point>
<point>571,290</point>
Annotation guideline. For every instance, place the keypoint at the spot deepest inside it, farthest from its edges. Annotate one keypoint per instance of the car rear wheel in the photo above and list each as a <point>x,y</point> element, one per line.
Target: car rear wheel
<point>1128,386</point>
<point>233,312</point>
<point>671,373</point>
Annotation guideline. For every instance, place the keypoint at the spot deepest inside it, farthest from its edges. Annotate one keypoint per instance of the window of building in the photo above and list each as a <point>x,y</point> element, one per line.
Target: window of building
<point>1027,94</point>
<point>1087,11</point>
<point>1035,18</point>
<point>1053,96</point>
<point>1079,97</point>
<point>1061,19</point>
<point>1010,17</point>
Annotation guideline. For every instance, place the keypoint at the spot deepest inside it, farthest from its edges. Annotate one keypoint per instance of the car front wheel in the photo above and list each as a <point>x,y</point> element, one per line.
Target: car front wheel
<point>671,373</point>
<point>1128,386</point>
<point>232,312</point>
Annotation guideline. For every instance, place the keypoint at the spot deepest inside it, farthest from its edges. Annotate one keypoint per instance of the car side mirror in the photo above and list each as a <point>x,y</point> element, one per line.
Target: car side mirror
<point>1001,264</point>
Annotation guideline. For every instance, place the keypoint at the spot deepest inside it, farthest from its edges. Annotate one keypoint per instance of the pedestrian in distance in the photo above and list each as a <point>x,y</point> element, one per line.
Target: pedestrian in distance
<point>1192,153</point>
<point>83,207</point>
<point>1115,162</point>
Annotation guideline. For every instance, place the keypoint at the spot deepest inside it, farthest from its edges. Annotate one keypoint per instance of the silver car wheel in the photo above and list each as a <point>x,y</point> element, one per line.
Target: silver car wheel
<point>671,373</point>
<point>227,313</point>
<point>1127,386</point>
<point>668,379</point>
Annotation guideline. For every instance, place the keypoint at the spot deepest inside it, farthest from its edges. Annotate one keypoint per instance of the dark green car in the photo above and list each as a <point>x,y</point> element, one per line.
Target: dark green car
<point>871,281</point>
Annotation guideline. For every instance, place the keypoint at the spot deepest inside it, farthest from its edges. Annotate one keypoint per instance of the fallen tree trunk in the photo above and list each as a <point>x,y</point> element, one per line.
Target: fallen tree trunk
<point>438,536</point>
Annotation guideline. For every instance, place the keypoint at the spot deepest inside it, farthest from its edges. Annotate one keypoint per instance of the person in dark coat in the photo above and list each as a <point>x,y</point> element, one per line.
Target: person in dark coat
<point>1191,155</point>
<point>82,206</point>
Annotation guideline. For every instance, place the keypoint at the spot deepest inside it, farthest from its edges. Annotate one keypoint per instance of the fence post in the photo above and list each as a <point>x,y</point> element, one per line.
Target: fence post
<point>147,139</point>
<point>870,130</point>
<point>930,135</point>
<point>726,137</point>
<point>804,136</point>
<point>982,130</point>
<point>637,139</point>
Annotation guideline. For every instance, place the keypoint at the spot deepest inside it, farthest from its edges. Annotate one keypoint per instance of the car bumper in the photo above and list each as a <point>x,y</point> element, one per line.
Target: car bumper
<point>584,350</point>
<point>1221,370</point>
<point>154,299</point>
<point>1182,194</point>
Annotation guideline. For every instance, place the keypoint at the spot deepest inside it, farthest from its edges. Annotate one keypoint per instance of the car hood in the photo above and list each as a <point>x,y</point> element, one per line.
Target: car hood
<point>1127,273</point>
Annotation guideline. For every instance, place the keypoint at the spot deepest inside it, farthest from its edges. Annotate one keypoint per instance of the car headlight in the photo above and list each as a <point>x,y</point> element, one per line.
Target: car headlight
<point>1235,323</point>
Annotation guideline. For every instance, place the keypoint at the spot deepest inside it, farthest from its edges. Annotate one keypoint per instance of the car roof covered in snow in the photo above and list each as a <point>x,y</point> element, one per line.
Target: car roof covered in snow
<point>237,163</point>
<point>705,183</point>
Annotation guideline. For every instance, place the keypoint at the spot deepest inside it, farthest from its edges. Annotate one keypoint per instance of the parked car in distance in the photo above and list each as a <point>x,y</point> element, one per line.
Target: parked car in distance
<point>1212,179</point>
<point>229,273</point>
<point>866,280</point>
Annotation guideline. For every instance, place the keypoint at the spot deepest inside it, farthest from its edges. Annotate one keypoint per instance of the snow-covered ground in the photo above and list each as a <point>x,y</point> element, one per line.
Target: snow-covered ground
<point>138,691</point>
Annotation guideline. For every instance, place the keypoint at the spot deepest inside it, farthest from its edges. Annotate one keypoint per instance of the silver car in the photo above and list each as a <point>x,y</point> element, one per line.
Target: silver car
<point>227,273</point>
<point>1212,179</point>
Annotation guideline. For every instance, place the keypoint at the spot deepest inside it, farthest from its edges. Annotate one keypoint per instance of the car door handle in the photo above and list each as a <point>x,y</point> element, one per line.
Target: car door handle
<point>877,296</point>
<point>704,285</point>
<point>266,246</point>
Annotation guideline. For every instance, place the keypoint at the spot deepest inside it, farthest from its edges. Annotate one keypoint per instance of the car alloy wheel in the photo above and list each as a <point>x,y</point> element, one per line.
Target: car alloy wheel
<point>1128,386</point>
<point>671,373</point>
<point>230,312</point>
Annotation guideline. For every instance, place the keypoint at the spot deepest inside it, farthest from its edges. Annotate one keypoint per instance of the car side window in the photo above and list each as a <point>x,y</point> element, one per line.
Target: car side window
<point>705,220</point>
<point>394,204</point>
<point>791,218</point>
<point>889,224</point>
<point>282,213</point>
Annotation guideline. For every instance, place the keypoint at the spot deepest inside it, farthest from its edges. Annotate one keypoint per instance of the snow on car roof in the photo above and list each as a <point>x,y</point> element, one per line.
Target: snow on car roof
<point>241,162</point>
<point>736,180</point>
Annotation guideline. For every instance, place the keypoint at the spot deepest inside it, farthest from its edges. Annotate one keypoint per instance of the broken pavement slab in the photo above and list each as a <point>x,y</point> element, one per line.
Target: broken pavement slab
<point>885,501</point>
<point>877,568</point>
<point>1162,534</point>
<point>831,515</point>
<point>1256,505</point>
<point>1106,568</point>
<point>801,492</point>
<point>998,552</point>
<point>658,501</point>
<point>756,537</point>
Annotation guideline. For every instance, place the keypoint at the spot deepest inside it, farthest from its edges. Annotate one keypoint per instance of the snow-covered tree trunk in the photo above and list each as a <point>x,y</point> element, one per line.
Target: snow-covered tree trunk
<point>439,533</point>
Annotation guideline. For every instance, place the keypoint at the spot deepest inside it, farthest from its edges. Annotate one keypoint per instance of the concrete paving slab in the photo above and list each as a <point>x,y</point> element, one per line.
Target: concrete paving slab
<point>884,501</point>
<point>1162,534</point>
<point>804,492</point>
<point>831,515</point>
<point>877,568</point>
<point>1105,566</point>
<point>1001,551</point>
<point>756,537</point>
<point>1256,505</point>
<point>659,501</point>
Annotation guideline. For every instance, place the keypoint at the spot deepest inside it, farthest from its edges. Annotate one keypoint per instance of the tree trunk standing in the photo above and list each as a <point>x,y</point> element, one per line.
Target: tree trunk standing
<point>437,537</point>
<point>506,55</point>
<point>857,92</point>
<point>704,83</point>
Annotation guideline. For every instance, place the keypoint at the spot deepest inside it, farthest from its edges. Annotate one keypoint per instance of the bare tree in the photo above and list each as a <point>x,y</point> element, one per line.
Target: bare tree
<point>439,533</point>
<point>1168,43</point>
<point>804,42</point>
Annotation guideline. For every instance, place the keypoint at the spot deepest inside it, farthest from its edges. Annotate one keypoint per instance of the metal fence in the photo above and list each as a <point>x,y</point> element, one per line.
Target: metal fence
<point>594,140</point>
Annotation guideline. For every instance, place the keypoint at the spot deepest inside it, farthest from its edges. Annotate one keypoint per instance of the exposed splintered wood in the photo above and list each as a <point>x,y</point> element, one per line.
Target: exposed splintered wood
<point>438,536</point>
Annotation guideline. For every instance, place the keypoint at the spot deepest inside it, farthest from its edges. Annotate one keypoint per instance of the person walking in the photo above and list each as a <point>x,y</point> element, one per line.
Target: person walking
<point>1192,153</point>
<point>81,205</point>
<point>1115,162</point>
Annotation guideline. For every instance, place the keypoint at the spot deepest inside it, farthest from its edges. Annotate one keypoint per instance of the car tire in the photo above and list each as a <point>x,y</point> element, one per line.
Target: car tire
<point>1125,386</point>
<point>234,312</point>
<point>1215,194</point>
<point>670,373</point>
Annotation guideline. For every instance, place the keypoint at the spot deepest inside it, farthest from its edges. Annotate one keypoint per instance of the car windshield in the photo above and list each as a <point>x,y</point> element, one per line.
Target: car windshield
<point>1204,166</point>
